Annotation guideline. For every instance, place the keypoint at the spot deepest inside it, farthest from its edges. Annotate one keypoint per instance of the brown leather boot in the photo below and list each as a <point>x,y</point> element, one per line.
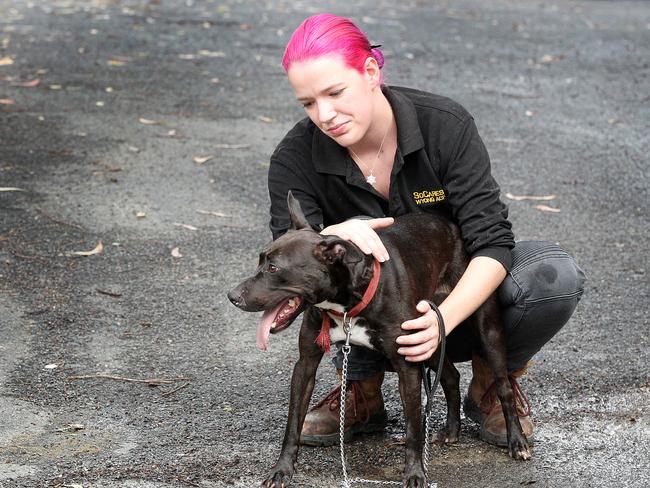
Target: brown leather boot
<point>364,412</point>
<point>482,405</point>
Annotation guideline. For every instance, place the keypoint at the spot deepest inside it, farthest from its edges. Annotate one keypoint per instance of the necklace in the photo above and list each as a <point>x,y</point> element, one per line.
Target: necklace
<point>371,176</point>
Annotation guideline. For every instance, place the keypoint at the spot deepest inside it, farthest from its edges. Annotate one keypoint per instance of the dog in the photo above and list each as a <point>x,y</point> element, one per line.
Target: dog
<point>305,271</point>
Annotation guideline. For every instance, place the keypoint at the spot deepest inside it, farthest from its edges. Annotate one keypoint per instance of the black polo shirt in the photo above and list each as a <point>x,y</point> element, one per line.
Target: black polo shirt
<point>441,165</point>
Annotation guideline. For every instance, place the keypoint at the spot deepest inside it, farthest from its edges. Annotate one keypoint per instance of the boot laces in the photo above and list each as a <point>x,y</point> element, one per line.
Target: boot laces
<point>354,391</point>
<point>490,399</point>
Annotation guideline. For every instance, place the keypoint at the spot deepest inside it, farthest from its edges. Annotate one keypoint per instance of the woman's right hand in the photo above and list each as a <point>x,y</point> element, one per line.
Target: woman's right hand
<point>362,233</point>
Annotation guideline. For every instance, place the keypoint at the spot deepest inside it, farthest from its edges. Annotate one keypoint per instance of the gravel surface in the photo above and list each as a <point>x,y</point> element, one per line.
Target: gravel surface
<point>104,106</point>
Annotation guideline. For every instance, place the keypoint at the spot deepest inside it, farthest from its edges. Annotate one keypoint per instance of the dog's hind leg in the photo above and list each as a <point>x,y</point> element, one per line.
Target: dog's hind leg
<point>302,386</point>
<point>493,343</point>
<point>450,386</point>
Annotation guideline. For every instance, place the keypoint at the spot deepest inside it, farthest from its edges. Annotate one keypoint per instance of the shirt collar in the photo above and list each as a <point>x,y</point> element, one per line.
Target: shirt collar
<point>331,158</point>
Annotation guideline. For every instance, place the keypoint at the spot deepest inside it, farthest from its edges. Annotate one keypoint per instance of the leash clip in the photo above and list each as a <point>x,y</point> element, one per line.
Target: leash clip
<point>347,328</point>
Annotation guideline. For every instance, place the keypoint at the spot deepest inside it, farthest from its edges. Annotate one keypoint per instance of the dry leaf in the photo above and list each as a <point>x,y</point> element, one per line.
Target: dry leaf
<point>549,58</point>
<point>268,120</point>
<point>115,62</point>
<point>27,84</point>
<point>185,226</point>
<point>10,188</point>
<point>6,101</point>
<point>216,214</point>
<point>148,121</point>
<point>202,159</point>
<point>99,248</point>
<point>529,197</point>
<point>176,253</point>
<point>212,54</point>
<point>6,61</point>
<point>546,208</point>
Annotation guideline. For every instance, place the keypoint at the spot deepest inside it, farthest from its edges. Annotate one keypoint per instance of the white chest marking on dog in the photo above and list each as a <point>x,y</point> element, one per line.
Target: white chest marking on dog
<point>359,336</point>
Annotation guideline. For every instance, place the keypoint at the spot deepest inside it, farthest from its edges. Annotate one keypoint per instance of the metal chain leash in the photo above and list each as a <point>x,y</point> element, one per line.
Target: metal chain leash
<point>347,483</point>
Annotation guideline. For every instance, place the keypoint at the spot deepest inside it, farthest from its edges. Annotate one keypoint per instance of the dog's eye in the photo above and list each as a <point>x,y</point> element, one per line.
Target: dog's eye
<point>271,268</point>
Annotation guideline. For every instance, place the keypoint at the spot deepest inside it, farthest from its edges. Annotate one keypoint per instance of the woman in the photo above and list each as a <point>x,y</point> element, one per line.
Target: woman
<point>367,153</point>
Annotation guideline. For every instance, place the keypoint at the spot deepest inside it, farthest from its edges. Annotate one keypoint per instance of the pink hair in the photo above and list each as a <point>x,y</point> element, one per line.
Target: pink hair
<point>323,34</point>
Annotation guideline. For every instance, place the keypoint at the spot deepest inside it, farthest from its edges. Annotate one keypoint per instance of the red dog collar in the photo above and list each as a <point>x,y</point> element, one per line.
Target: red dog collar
<point>323,339</point>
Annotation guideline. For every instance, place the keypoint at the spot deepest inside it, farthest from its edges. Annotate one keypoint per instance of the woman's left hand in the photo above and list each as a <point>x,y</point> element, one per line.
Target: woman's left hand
<point>422,344</point>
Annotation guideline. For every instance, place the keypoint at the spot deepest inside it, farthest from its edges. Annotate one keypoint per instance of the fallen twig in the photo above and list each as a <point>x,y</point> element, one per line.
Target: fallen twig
<point>62,222</point>
<point>22,256</point>
<point>149,381</point>
<point>167,393</point>
<point>10,188</point>
<point>530,197</point>
<point>216,214</point>
<point>232,146</point>
<point>109,293</point>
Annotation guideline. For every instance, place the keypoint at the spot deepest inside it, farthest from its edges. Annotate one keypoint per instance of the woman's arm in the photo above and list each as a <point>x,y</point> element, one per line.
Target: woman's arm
<point>482,276</point>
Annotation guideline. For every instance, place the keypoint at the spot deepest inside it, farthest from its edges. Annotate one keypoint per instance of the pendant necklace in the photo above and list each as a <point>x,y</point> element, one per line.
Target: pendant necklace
<point>371,176</point>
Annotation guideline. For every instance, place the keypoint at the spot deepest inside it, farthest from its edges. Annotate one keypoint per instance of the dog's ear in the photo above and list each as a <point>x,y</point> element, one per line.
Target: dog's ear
<point>333,249</point>
<point>298,219</point>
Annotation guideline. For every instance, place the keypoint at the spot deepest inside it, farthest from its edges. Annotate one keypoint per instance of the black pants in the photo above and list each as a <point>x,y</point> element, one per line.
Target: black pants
<point>538,297</point>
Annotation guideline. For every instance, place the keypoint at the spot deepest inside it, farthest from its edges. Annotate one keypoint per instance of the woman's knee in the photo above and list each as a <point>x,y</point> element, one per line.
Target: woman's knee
<point>539,296</point>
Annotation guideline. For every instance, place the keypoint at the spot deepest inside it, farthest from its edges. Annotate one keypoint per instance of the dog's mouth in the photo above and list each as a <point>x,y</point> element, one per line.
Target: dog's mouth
<point>277,319</point>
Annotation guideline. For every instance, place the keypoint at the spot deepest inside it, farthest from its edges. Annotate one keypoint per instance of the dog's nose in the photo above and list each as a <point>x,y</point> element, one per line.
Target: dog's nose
<point>236,298</point>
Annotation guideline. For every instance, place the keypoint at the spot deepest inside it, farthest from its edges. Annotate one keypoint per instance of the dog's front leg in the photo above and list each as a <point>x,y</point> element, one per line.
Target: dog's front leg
<point>410,378</point>
<point>302,386</point>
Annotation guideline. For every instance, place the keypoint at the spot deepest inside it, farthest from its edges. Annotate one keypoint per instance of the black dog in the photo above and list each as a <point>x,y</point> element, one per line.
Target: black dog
<point>305,271</point>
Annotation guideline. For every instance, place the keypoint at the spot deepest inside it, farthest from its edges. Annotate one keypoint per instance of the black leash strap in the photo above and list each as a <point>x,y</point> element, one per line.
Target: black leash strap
<point>429,387</point>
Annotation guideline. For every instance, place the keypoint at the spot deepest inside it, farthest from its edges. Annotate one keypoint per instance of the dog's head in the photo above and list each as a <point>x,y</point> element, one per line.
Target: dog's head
<point>299,268</point>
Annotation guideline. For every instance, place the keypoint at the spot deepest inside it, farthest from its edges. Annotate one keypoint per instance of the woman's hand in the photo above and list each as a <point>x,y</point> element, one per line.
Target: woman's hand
<point>422,344</point>
<point>362,233</point>
<point>482,276</point>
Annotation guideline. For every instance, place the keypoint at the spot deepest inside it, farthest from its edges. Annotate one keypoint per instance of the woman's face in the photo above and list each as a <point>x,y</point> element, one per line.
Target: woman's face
<point>337,98</point>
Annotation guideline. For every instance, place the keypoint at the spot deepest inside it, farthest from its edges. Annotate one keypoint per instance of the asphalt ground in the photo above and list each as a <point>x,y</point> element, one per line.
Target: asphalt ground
<point>108,111</point>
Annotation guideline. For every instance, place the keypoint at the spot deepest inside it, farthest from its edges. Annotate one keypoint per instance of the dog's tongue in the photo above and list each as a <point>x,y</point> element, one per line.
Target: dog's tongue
<point>264,327</point>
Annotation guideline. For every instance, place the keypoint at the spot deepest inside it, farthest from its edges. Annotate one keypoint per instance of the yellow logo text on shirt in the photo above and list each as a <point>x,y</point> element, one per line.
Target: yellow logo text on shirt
<point>428,196</point>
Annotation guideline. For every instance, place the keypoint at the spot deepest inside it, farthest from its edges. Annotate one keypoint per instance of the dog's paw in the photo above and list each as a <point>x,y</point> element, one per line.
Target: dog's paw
<point>518,448</point>
<point>448,435</point>
<point>278,478</point>
<point>414,477</point>
<point>415,481</point>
